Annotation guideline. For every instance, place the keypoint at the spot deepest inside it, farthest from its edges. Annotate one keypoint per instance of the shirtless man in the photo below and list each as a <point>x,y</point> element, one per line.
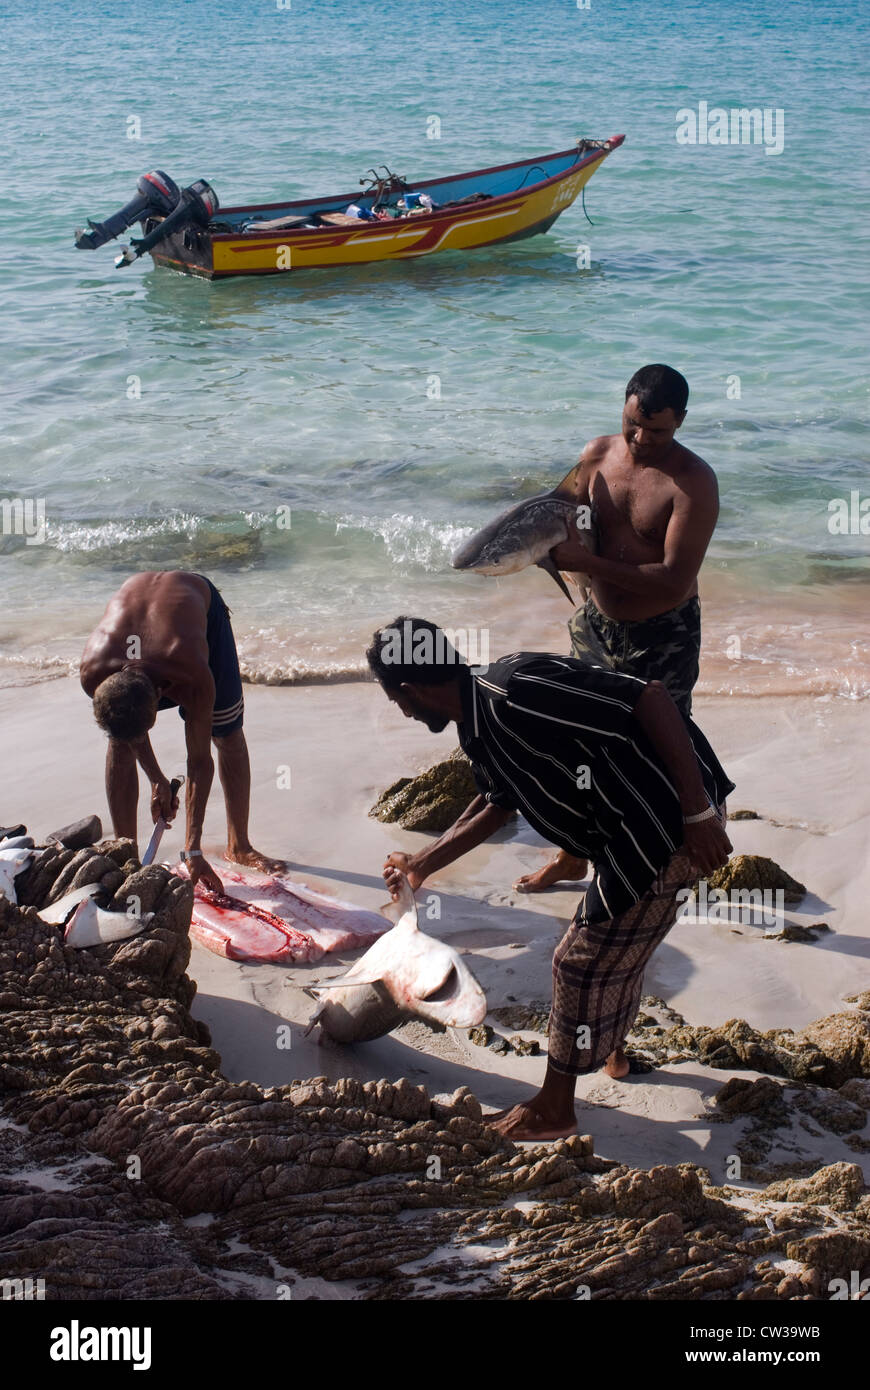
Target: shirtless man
<point>654,505</point>
<point>164,640</point>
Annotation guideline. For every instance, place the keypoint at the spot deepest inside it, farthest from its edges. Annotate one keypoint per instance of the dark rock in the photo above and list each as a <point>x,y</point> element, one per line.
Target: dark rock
<point>845,1041</point>
<point>431,801</point>
<point>534,1017</point>
<point>761,1097</point>
<point>792,931</point>
<point>482,1035</point>
<point>754,871</point>
<point>840,1185</point>
<point>857,1091</point>
<point>78,835</point>
<point>831,1109</point>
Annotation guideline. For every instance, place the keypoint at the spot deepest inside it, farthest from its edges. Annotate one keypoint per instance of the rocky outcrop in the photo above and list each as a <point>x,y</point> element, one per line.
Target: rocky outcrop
<point>432,800</point>
<point>840,1186</point>
<point>828,1052</point>
<point>130,1167</point>
<point>754,871</point>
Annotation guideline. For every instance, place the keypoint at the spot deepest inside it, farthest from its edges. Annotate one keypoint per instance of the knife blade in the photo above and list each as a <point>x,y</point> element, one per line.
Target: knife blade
<point>160,826</point>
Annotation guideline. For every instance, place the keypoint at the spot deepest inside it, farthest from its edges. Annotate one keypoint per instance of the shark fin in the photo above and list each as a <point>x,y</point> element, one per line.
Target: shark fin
<point>349,980</point>
<point>549,564</point>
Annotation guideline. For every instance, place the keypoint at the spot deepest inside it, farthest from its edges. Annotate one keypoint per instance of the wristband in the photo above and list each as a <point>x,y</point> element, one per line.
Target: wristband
<point>190,854</point>
<point>704,815</point>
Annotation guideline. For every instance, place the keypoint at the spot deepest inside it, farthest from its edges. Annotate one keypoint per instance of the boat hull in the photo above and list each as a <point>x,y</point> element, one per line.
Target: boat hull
<point>496,218</point>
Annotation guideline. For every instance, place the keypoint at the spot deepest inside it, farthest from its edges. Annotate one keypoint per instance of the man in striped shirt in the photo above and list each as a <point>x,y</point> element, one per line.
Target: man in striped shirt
<point>603,765</point>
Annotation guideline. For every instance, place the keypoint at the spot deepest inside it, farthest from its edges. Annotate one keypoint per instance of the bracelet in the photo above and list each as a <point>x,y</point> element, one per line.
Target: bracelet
<point>190,854</point>
<point>704,815</point>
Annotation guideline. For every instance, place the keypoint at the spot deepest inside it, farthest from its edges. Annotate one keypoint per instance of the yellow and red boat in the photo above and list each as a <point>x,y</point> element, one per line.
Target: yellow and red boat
<point>392,220</point>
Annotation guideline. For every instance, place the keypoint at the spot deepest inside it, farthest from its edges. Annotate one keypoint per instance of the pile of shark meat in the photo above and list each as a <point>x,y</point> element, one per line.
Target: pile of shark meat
<point>264,917</point>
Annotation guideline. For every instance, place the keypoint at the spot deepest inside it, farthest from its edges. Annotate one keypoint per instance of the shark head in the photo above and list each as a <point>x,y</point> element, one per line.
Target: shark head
<point>524,535</point>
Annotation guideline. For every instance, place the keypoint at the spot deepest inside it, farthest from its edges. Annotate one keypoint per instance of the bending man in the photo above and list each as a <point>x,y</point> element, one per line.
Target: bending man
<point>165,640</point>
<point>604,766</point>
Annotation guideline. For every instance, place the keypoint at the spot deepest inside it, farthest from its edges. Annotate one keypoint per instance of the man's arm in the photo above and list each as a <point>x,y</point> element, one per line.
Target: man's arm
<point>200,773</point>
<point>575,485</point>
<point>692,522</point>
<point>162,801</point>
<point>661,721</point>
<point>478,822</point>
<point>122,789</point>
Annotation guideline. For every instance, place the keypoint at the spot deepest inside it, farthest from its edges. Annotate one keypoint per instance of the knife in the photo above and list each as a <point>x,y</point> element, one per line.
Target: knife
<point>161,825</point>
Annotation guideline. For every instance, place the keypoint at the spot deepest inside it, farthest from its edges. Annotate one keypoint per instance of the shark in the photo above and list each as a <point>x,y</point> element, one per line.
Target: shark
<point>524,535</point>
<point>405,974</point>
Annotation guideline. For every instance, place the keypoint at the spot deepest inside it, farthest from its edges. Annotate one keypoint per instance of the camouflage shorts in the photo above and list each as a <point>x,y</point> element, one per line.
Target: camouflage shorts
<point>665,648</point>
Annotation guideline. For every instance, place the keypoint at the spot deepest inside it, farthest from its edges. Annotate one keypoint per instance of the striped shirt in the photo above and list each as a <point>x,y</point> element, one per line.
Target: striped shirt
<point>556,739</point>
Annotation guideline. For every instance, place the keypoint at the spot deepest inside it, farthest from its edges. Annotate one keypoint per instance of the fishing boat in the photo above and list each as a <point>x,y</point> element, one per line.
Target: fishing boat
<point>393,219</point>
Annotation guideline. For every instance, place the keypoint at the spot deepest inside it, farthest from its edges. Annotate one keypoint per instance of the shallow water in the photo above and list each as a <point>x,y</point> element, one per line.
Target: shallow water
<point>164,421</point>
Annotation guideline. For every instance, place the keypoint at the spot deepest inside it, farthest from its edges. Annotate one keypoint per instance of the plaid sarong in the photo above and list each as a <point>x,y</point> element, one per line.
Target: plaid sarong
<point>598,972</point>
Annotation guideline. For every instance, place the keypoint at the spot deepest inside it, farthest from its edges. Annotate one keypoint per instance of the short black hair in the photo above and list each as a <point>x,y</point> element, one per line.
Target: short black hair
<point>658,387</point>
<point>413,651</point>
<point>125,704</point>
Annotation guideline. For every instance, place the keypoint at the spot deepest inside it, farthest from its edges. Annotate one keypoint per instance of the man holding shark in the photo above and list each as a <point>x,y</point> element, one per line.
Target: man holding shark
<point>653,506</point>
<point>601,764</point>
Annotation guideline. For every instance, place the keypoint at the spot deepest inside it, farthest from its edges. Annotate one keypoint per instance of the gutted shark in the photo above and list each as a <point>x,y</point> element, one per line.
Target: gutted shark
<point>405,974</point>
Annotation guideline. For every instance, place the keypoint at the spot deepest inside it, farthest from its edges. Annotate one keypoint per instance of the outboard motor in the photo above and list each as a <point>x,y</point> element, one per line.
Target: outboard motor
<point>156,194</point>
<point>198,203</point>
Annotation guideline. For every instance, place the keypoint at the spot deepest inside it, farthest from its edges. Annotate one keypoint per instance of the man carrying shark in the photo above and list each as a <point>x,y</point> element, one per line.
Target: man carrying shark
<point>603,765</point>
<point>165,640</point>
<point>654,506</point>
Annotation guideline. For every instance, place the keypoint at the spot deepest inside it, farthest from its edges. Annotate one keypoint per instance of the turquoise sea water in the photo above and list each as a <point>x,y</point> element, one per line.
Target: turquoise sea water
<point>314,390</point>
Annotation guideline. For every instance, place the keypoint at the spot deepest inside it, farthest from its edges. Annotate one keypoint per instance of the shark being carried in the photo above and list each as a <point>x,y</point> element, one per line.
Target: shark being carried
<point>405,974</point>
<point>527,534</point>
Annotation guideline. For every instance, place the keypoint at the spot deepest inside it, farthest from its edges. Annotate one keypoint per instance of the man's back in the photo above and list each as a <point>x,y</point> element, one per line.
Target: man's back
<point>158,618</point>
<point>556,739</point>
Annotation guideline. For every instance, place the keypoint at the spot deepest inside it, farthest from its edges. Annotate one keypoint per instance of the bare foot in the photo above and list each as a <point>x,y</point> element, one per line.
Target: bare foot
<point>252,859</point>
<point>617,1065</point>
<point>524,1122</point>
<point>564,866</point>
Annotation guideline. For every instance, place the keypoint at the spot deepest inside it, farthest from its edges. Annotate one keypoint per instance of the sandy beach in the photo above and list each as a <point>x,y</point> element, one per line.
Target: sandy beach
<point>796,762</point>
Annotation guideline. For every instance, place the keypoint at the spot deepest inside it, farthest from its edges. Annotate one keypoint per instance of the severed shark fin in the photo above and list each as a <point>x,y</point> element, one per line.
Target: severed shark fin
<point>57,913</point>
<point>93,926</point>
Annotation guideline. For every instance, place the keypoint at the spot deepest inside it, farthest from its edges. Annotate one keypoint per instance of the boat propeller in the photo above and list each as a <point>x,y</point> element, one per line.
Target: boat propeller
<point>157,196</point>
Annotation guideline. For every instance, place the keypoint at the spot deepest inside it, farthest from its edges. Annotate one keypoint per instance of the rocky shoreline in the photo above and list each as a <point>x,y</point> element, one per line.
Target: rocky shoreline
<point>130,1167</point>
